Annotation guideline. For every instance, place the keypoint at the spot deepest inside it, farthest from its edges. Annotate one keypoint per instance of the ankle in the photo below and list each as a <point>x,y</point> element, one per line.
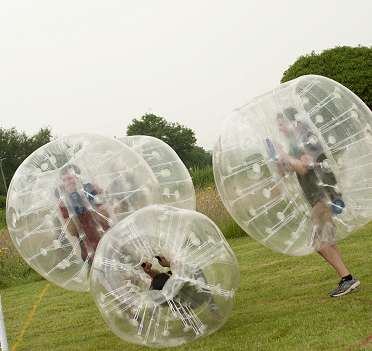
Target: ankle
<point>347,277</point>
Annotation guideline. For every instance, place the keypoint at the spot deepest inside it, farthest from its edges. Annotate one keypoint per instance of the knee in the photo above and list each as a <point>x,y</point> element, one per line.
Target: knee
<point>324,248</point>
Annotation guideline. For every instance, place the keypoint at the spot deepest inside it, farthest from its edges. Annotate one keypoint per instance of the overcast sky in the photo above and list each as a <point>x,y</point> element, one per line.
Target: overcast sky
<point>93,66</point>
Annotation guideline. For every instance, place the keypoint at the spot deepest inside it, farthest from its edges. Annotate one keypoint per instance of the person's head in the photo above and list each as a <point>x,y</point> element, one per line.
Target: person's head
<point>159,281</point>
<point>283,124</point>
<point>290,114</point>
<point>70,169</point>
<point>287,120</point>
<point>69,175</point>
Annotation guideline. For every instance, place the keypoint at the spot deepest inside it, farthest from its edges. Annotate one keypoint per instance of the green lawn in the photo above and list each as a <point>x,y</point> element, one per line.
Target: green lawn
<point>282,304</point>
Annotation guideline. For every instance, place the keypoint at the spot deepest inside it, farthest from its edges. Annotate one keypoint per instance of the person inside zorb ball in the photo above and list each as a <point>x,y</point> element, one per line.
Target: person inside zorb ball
<point>89,215</point>
<point>66,195</point>
<point>293,167</point>
<point>164,276</point>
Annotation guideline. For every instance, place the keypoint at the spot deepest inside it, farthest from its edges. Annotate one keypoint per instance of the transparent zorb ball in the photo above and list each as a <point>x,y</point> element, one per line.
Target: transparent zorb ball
<point>176,187</point>
<point>314,120</point>
<point>164,276</point>
<point>66,195</point>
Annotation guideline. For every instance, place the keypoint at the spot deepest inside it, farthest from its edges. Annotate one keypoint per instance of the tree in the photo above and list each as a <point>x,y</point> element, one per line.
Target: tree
<point>177,136</point>
<point>350,66</point>
<point>16,146</point>
<point>199,158</point>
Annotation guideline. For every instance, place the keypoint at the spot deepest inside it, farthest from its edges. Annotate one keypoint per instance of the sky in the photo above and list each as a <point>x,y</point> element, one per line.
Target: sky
<point>92,66</point>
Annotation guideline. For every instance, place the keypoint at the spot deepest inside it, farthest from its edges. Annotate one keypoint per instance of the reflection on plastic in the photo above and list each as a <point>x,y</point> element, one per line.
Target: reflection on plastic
<point>319,122</point>
<point>164,276</point>
<point>66,195</point>
<point>176,187</point>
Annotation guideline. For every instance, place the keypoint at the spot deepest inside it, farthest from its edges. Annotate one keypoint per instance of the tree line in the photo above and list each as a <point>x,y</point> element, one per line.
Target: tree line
<point>16,146</point>
<point>351,66</point>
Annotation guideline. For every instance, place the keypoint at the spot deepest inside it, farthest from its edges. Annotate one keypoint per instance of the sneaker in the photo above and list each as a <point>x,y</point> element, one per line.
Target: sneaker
<point>344,287</point>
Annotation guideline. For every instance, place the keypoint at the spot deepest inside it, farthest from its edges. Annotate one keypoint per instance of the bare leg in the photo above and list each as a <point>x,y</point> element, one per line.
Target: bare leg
<point>324,230</point>
<point>332,255</point>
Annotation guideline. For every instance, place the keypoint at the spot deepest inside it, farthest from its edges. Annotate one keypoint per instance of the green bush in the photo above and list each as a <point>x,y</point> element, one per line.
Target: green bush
<point>202,177</point>
<point>350,66</point>
<point>2,201</point>
<point>179,137</point>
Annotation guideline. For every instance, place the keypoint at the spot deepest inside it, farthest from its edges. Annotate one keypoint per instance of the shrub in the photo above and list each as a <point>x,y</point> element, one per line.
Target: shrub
<point>2,201</point>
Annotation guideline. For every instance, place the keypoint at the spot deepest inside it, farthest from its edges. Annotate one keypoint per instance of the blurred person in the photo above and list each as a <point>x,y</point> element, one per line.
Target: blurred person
<point>307,159</point>
<point>83,212</point>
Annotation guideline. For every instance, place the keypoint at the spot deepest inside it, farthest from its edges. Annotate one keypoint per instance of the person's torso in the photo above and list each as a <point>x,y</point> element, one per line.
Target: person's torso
<point>318,182</point>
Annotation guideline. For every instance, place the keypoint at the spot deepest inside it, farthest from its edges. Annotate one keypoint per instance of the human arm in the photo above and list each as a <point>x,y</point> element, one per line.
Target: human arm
<point>163,261</point>
<point>300,165</point>
<point>147,268</point>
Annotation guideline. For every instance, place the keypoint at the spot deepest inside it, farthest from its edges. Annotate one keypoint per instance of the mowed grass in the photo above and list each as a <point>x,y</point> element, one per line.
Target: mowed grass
<point>14,270</point>
<point>282,304</point>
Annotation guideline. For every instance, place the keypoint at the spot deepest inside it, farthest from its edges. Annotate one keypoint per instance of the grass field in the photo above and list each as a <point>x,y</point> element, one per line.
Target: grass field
<point>282,304</point>
<point>14,271</point>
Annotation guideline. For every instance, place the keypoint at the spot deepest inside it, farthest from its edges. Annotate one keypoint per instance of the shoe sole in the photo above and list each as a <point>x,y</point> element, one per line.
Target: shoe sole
<point>351,288</point>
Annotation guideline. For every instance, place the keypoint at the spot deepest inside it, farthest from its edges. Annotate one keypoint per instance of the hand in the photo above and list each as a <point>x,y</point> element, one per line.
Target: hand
<point>307,161</point>
<point>163,261</point>
<point>284,163</point>
<point>147,267</point>
<point>300,166</point>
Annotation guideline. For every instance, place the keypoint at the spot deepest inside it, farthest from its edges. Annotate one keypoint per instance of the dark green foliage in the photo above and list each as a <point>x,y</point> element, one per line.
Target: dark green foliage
<point>199,158</point>
<point>180,138</point>
<point>149,124</point>
<point>15,146</point>
<point>350,66</point>
<point>2,201</point>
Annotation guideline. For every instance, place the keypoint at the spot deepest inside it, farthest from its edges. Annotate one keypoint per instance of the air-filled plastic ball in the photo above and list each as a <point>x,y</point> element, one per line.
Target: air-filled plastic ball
<point>294,166</point>
<point>164,276</point>
<point>176,187</point>
<point>66,195</point>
